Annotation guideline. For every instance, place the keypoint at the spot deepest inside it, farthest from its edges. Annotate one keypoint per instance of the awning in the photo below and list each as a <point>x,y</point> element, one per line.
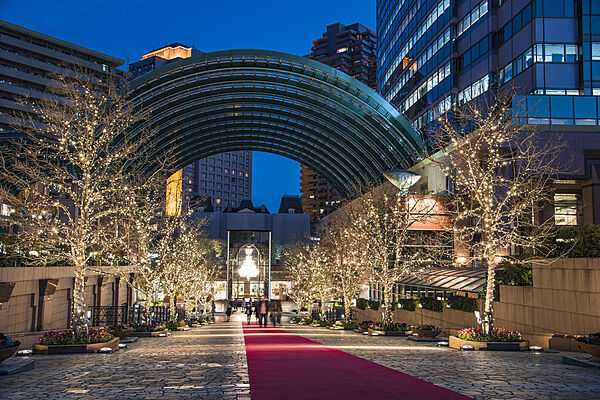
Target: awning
<point>449,279</point>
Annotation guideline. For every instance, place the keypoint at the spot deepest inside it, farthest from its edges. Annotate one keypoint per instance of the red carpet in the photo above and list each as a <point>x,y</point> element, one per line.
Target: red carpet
<point>284,366</point>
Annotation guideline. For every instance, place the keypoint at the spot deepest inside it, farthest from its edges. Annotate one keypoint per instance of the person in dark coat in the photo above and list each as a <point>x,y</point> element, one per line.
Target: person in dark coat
<point>228,311</point>
<point>249,311</point>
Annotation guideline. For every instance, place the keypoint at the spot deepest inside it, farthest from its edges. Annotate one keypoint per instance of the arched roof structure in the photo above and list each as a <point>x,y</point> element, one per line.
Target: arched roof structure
<point>278,103</point>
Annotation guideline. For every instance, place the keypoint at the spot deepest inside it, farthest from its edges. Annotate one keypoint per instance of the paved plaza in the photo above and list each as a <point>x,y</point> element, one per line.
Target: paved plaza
<point>210,363</point>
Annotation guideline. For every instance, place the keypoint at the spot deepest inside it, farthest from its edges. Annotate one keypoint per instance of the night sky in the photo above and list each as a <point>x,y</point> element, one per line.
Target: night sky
<point>129,28</point>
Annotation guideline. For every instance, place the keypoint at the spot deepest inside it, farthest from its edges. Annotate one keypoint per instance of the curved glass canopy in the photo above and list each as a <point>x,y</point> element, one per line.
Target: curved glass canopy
<point>278,103</point>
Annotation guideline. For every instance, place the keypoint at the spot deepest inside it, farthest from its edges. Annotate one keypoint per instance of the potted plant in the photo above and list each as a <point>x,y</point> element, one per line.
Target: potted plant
<point>305,321</point>
<point>120,330</point>
<point>591,345</point>
<point>63,342</point>
<point>8,347</point>
<point>426,331</point>
<point>497,339</point>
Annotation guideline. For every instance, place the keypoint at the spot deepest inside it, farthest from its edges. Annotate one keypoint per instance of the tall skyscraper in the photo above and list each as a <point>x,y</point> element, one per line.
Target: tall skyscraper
<point>226,177</point>
<point>438,54</point>
<point>350,49</point>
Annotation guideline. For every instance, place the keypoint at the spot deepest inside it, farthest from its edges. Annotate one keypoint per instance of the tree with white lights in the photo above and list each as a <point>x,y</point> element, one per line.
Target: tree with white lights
<point>503,173</point>
<point>390,244</point>
<point>61,174</point>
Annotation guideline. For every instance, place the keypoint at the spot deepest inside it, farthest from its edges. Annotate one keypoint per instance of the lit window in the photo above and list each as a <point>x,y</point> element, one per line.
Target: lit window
<point>342,49</point>
<point>565,209</point>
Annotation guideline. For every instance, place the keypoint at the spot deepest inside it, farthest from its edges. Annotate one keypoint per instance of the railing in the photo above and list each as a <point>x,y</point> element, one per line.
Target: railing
<point>112,315</point>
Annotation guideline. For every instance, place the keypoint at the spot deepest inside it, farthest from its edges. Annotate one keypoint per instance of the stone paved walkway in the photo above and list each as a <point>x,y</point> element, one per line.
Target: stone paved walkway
<point>479,374</point>
<point>204,363</point>
<point>210,363</point>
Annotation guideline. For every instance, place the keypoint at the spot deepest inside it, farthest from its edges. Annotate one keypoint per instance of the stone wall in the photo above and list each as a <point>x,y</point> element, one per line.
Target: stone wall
<point>449,320</point>
<point>564,299</point>
<point>26,314</point>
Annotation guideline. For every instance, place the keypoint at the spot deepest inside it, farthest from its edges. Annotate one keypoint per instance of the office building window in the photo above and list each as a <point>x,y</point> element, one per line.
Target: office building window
<point>565,209</point>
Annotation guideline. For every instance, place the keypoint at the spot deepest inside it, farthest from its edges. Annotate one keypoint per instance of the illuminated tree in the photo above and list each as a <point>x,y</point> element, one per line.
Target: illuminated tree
<point>62,173</point>
<point>301,273</point>
<point>389,242</point>
<point>341,248</point>
<point>503,174</point>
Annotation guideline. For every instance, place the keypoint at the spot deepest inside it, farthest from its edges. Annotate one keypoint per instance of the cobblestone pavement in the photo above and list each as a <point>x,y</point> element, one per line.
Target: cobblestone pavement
<point>203,363</point>
<point>479,374</point>
<point>210,363</point>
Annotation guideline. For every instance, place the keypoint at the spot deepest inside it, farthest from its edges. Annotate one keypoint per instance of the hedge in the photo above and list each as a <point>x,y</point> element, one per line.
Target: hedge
<point>463,303</point>
<point>431,303</point>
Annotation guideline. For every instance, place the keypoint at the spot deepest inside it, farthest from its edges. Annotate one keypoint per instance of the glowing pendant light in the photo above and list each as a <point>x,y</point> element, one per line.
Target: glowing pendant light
<point>248,269</point>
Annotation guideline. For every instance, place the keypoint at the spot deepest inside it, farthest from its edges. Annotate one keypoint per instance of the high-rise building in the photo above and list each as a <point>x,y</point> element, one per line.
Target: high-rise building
<point>350,49</point>
<point>226,177</point>
<point>435,55</point>
<point>31,61</point>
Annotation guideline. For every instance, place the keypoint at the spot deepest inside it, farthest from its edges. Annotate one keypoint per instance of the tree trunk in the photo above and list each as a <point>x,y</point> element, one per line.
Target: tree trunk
<point>322,308</point>
<point>78,318</point>
<point>346,309</point>
<point>147,305</point>
<point>172,310</point>
<point>488,317</point>
<point>387,304</point>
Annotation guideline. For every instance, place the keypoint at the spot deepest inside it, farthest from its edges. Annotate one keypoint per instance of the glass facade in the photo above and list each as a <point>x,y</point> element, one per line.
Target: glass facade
<point>533,46</point>
<point>547,51</point>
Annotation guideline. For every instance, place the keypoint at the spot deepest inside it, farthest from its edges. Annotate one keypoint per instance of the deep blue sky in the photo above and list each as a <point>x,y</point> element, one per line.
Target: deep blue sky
<point>129,28</point>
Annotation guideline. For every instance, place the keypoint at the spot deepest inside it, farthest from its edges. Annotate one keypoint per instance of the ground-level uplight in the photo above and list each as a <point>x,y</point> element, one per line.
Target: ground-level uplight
<point>105,350</point>
<point>122,346</point>
<point>443,343</point>
<point>536,348</point>
<point>22,353</point>
<point>467,348</point>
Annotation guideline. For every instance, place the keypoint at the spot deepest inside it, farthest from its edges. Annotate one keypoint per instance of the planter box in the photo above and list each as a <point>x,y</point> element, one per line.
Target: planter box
<point>183,328</point>
<point>75,348</point>
<point>592,349</point>
<point>375,332</point>
<point>426,333</point>
<point>456,343</point>
<point>6,353</point>
<point>123,334</point>
<point>150,334</point>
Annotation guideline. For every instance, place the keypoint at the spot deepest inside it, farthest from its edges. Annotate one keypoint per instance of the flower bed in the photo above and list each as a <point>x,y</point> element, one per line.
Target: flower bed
<point>120,330</point>
<point>153,330</point>
<point>305,321</point>
<point>62,342</point>
<point>497,339</point>
<point>8,347</point>
<point>426,331</point>
<point>591,345</point>
<point>394,329</point>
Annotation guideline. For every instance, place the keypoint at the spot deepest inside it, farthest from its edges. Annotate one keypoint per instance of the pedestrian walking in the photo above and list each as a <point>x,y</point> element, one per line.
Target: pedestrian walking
<point>249,311</point>
<point>212,310</point>
<point>228,311</point>
<point>276,314</point>
<point>263,311</point>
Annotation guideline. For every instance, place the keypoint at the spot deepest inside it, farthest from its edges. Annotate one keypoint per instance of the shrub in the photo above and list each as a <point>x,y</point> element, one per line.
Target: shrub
<point>99,335</point>
<point>408,304</point>
<point>463,303</point>
<point>432,304</point>
<point>496,335</point>
<point>426,327</point>
<point>578,241</point>
<point>153,327</point>
<point>394,327</point>
<point>513,272</point>
<point>8,342</point>
<point>361,303</point>
<point>374,305</point>
<point>593,338</point>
